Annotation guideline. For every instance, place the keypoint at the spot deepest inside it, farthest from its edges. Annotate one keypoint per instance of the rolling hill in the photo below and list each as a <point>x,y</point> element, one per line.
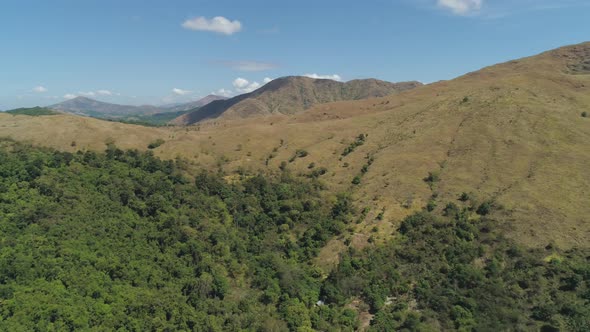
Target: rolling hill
<point>290,95</point>
<point>32,111</point>
<point>511,134</point>
<point>90,107</point>
<point>147,113</point>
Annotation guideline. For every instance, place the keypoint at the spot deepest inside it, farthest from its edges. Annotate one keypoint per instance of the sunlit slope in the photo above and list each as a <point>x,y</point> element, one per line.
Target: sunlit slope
<point>511,132</point>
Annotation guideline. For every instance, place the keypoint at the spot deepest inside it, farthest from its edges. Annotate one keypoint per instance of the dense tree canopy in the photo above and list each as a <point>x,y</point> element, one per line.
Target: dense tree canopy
<point>124,241</point>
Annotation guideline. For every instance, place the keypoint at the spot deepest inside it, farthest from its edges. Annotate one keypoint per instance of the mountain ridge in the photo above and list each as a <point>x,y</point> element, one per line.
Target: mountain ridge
<point>90,107</point>
<point>291,95</point>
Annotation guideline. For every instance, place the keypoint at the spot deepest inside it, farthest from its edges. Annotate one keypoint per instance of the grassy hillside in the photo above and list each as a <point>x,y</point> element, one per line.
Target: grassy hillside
<point>511,134</point>
<point>158,119</point>
<point>32,111</point>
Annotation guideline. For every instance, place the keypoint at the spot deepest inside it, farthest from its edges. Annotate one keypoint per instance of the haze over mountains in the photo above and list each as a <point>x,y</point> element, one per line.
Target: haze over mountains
<point>293,94</point>
<point>94,108</point>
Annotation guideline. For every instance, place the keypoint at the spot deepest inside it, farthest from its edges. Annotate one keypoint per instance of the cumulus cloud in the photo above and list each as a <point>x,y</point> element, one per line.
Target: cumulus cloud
<point>87,93</point>
<point>334,77</point>
<point>250,66</point>
<point>223,93</point>
<point>242,85</point>
<point>218,24</point>
<point>181,92</point>
<point>267,80</point>
<point>461,7</point>
<point>40,89</point>
<point>70,96</point>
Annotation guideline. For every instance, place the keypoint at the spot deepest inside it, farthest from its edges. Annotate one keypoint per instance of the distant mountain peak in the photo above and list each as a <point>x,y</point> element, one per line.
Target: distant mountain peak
<point>293,94</point>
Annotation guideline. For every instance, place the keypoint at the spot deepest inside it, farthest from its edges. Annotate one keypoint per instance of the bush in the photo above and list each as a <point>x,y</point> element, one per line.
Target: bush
<point>584,114</point>
<point>484,208</point>
<point>431,205</point>
<point>360,140</point>
<point>301,153</point>
<point>356,180</point>
<point>156,143</point>
<point>432,178</point>
<point>464,197</point>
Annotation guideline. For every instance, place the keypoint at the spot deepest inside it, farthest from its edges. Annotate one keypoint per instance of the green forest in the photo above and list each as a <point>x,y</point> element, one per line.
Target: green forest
<point>124,241</point>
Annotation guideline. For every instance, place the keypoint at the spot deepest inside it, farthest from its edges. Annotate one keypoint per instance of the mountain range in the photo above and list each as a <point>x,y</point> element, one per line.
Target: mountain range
<point>290,95</point>
<point>94,108</point>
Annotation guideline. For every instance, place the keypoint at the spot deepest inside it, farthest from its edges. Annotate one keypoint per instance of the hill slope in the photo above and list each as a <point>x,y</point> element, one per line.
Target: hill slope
<point>90,107</point>
<point>511,133</point>
<point>32,111</point>
<point>98,109</point>
<point>290,95</point>
<point>194,104</point>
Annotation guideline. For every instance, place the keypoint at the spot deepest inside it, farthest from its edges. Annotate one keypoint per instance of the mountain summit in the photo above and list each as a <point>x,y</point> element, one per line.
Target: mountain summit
<point>293,94</point>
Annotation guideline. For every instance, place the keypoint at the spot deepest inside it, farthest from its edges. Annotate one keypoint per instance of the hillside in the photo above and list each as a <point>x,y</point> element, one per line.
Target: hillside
<point>144,113</point>
<point>194,104</point>
<point>290,95</point>
<point>511,134</point>
<point>121,240</point>
<point>32,111</point>
<point>90,107</point>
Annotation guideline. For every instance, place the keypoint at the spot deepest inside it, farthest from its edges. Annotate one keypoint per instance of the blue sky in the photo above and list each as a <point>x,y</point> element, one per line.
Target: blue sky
<point>156,52</point>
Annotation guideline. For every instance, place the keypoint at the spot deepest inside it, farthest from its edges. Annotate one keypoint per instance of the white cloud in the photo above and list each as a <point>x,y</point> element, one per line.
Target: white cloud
<point>104,92</point>
<point>218,24</point>
<point>87,93</point>
<point>181,92</point>
<point>70,96</point>
<point>223,93</point>
<point>40,89</point>
<point>461,7</point>
<point>334,77</point>
<point>250,66</point>
<point>267,80</point>
<point>242,85</point>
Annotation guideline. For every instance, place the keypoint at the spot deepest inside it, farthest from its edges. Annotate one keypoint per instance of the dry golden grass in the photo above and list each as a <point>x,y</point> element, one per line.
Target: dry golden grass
<point>510,132</point>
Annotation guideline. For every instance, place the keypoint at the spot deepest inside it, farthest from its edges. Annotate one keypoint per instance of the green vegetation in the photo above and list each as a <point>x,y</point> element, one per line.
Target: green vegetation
<point>124,241</point>
<point>450,273</point>
<point>298,154</point>
<point>432,179</point>
<point>356,180</point>
<point>149,120</point>
<point>155,144</point>
<point>360,140</point>
<point>33,111</point>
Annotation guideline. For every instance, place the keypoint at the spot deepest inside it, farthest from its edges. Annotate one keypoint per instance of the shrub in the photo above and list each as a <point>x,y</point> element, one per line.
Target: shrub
<point>431,205</point>
<point>584,114</point>
<point>464,197</point>
<point>301,153</point>
<point>356,180</point>
<point>360,140</point>
<point>484,208</point>
<point>156,143</point>
<point>432,178</point>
